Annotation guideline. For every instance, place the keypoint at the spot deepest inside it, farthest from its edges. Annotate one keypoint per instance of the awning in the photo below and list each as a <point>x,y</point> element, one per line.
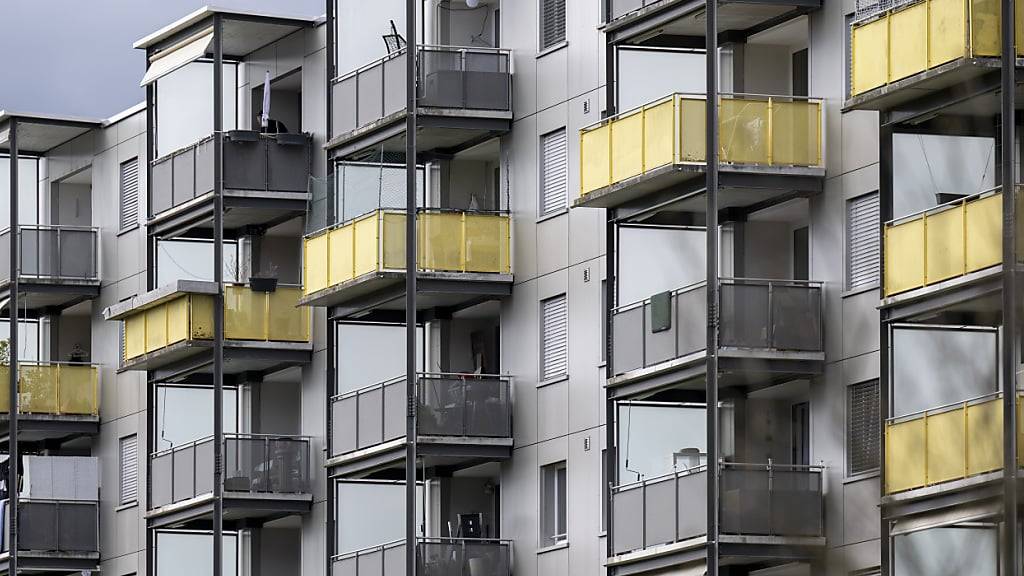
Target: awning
<point>169,60</point>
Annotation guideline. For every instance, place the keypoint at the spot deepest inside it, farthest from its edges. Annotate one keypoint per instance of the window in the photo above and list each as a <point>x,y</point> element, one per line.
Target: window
<point>129,469</point>
<point>129,196</point>
<point>553,173</point>
<point>553,338</point>
<point>553,505</point>
<point>862,426</point>
<point>552,23</point>
<point>862,241</point>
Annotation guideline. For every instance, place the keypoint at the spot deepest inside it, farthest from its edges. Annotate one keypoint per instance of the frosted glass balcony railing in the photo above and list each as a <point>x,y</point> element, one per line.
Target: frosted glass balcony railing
<point>248,315</point>
<point>754,130</point>
<point>53,253</point>
<point>57,527</point>
<point>434,557</point>
<point>449,241</point>
<point>53,388</point>
<point>914,37</point>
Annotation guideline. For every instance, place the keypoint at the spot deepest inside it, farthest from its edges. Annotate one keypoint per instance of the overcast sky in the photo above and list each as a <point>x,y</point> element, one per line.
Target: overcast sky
<point>76,57</point>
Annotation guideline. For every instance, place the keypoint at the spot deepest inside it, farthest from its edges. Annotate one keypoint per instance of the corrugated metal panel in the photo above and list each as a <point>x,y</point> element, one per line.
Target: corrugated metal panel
<point>554,173</point>
<point>129,193</point>
<point>554,323</point>
<point>552,23</point>
<point>129,469</point>
<point>863,448</point>
<point>862,241</point>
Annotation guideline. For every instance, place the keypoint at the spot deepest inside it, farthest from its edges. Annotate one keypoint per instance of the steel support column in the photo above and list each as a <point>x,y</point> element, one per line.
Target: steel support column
<point>330,519</point>
<point>12,351</point>
<point>885,132</point>
<point>711,145</point>
<point>410,287</point>
<point>218,299</point>
<point>611,456</point>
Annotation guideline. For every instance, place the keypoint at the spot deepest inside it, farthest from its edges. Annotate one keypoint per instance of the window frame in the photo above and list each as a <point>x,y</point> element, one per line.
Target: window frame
<point>848,286</point>
<point>542,46</point>
<point>876,427</point>
<point>559,506</point>
<point>121,463</point>
<point>124,224</point>
<point>543,376</point>
<point>543,212</point>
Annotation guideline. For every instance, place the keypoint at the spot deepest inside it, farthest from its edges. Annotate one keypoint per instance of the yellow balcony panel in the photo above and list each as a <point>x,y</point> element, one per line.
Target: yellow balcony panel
<point>175,322</point>
<point>53,391</point>
<point>663,143</point>
<point>367,255</point>
<point>944,444</point>
<point>927,46</point>
<point>943,243</point>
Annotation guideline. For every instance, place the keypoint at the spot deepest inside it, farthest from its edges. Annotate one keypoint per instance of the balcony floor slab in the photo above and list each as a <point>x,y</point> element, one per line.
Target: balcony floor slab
<point>451,452</point>
<point>386,289</point>
<point>238,506</point>
<point>447,130</point>
<point>40,562</point>
<point>41,427</point>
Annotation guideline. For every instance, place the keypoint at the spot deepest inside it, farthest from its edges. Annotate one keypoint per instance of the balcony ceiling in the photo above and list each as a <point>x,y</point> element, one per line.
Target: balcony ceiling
<point>40,133</point>
<point>245,31</point>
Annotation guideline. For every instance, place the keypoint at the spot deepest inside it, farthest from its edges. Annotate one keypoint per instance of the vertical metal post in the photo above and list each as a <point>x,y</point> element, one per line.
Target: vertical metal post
<point>12,351</point>
<point>330,518</point>
<point>1011,565</point>
<point>410,286</point>
<point>611,256</point>
<point>218,299</point>
<point>885,132</point>
<point>711,143</point>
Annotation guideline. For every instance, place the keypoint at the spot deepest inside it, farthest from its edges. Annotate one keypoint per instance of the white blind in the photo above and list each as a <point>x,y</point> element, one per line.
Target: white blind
<point>862,241</point>
<point>129,469</point>
<point>553,172</point>
<point>552,23</point>
<point>129,193</point>
<point>554,338</point>
<point>862,442</point>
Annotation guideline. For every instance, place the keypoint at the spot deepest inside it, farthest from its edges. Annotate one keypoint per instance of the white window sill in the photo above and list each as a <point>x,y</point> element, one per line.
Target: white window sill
<point>551,381</point>
<point>553,48</point>
<point>560,546</point>
<point>874,286</point>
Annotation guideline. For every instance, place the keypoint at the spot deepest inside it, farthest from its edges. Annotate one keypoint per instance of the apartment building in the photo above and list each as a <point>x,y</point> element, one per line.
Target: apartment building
<point>617,372</point>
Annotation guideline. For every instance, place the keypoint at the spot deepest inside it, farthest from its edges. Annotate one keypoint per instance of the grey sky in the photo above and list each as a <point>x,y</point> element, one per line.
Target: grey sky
<point>75,56</point>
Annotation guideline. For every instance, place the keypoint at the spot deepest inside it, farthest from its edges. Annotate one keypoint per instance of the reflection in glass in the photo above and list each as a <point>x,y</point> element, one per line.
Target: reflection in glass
<point>185,414</point>
<point>656,438</point>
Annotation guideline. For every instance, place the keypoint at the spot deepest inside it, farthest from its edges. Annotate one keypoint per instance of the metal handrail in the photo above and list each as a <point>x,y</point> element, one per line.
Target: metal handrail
<point>944,206</point>
<point>419,210</point>
<point>227,435</point>
<point>660,478</point>
<point>944,408</point>
<point>55,254</point>
<point>421,540</point>
<point>382,383</point>
<point>419,48</point>
<point>74,227</point>
<point>676,292</point>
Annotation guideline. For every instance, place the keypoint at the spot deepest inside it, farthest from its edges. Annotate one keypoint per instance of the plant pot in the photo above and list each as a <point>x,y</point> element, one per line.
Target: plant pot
<point>262,284</point>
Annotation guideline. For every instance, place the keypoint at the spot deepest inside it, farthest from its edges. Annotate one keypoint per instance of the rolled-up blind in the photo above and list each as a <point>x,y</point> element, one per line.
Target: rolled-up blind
<point>554,337</point>
<point>554,173</point>
<point>862,241</point>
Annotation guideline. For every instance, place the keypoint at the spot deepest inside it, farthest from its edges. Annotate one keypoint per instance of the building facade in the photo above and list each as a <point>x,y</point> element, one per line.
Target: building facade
<point>615,371</point>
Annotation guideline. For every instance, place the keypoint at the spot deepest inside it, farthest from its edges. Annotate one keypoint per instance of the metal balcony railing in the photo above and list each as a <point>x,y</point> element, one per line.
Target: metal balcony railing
<point>457,405</point>
<point>251,162</point>
<point>357,189</point>
<point>755,130</point>
<point>943,242</point>
<point>434,557</point>
<point>53,253</point>
<point>448,241</point>
<point>783,315</point>
<point>56,526</point>
<point>248,315</point>
<point>756,500</point>
<point>53,388</point>
<point>450,77</point>
<point>253,463</point>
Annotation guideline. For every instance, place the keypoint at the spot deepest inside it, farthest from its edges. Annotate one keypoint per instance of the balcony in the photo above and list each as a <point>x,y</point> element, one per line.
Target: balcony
<point>59,265</point>
<point>171,329</point>
<point>940,44</point>
<point>55,536</point>
<point>768,329</point>
<point>461,256</point>
<point>760,505</point>
<point>461,419</point>
<point>464,95</point>
<point>265,477</point>
<point>662,144</point>
<point>434,557</point>
<point>949,246</point>
<point>55,399</point>
<point>265,177</point>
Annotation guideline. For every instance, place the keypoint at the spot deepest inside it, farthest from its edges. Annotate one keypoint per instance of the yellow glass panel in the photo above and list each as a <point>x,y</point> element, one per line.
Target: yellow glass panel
<point>177,320</point>
<point>946,458</point>
<point>78,389</point>
<point>947,25</point>
<point>1020,430</point>
<point>1018,29</point>
<point>692,120</point>
<point>985,31</point>
<point>908,43</point>
<point>288,321</point>
<point>984,230</point>
<point>905,456</point>
<point>37,385</point>
<point>316,268</point>
<point>659,135</point>
<point>487,243</point>
<point>944,244</point>
<point>393,231</point>
<point>245,314</point>
<point>743,138</point>
<point>156,327</point>
<point>440,241</point>
<point>134,336</point>
<point>365,240</point>
<point>627,146</point>
<point>795,134</point>
<point>5,396</point>
<point>985,437</point>
<point>201,309</point>
<point>904,256</point>
<point>341,251</point>
<point>595,159</point>
<point>870,55</point>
